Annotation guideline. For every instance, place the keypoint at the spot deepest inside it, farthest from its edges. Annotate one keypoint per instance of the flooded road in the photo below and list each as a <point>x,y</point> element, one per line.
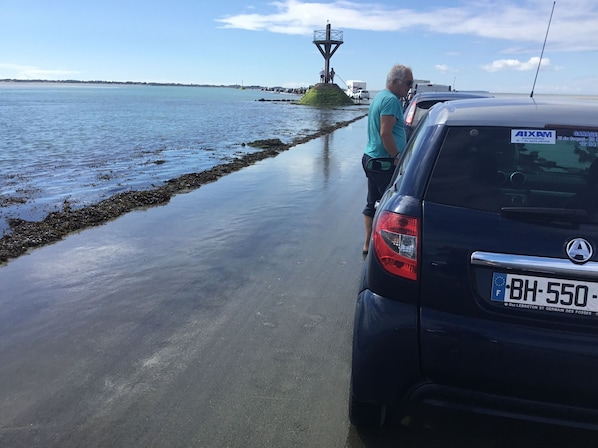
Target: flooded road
<point>222,319</point>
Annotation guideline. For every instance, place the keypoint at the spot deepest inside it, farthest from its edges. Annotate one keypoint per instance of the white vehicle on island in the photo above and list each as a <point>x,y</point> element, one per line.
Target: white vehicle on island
<point>357,90</point>
<point>361,95</point>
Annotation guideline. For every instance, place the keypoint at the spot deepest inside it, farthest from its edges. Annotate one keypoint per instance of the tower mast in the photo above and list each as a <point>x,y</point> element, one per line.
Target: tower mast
<point>328,42</point>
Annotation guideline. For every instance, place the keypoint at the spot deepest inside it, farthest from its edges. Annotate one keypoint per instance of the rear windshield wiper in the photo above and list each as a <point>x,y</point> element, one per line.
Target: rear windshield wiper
<point>545,214</point>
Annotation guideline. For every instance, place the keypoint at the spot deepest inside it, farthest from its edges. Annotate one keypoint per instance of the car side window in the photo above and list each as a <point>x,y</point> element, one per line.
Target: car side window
<point>488,168</point>
<point>414,141</point>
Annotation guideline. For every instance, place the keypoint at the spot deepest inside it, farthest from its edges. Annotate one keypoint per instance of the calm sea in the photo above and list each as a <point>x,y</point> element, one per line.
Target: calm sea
<point>86,142</point>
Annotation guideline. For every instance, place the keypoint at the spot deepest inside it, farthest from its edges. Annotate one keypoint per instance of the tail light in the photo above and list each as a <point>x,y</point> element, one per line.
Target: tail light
<point>410,114</point>
<point>395,243</point>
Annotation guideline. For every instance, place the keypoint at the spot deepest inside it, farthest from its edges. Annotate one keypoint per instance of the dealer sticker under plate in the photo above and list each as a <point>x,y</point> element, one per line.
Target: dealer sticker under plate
<point>545,294</point>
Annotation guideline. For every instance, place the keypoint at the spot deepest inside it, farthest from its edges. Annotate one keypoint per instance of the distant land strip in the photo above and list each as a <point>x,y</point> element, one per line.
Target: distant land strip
<point>140,83</point>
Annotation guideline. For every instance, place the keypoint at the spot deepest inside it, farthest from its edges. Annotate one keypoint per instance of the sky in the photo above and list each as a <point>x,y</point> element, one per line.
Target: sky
<point>490,45</point>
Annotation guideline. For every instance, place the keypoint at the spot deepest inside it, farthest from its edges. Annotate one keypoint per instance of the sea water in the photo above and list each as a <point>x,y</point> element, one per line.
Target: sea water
<point>82,143</point>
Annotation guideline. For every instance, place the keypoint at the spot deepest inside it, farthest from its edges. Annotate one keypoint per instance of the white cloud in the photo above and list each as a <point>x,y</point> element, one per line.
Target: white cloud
<point>442,68</point>
<point>17,71</point>
<point>572,29</point>
<point>515,64</point>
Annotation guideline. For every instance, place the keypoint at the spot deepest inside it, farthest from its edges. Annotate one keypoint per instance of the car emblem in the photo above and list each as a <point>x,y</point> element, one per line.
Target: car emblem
<point>579,250</point>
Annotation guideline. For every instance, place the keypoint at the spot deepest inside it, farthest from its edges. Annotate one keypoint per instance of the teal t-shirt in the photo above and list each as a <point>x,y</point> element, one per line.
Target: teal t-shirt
<point>385,103</point>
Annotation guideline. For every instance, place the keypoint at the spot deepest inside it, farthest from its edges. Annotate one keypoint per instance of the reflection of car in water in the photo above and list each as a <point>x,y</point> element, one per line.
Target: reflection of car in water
<point>481,281</point>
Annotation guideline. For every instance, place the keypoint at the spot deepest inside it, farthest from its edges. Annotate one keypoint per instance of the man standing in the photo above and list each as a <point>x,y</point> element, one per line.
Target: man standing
<point>386,137</point>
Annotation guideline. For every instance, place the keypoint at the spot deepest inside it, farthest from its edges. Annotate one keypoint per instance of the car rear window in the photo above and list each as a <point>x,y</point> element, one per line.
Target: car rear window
<point>489,168</point>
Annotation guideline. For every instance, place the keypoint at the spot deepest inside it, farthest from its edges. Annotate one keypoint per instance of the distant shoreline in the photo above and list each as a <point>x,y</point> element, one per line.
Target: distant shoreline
<point>151,84</point>
<point>583,96</point>
<point>140,83</point>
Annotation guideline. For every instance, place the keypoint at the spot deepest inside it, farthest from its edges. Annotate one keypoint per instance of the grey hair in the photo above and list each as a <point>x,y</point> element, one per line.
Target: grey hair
<point>398,71</point>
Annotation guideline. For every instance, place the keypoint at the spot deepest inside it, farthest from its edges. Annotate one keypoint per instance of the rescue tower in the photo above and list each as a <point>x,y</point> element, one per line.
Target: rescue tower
<point>328,42</point>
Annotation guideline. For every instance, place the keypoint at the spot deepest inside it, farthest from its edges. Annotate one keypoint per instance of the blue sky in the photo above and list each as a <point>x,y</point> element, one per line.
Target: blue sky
<point>473,45</point>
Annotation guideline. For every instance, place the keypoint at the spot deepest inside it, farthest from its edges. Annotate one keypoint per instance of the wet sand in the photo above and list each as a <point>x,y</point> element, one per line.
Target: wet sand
<point>26,235</point>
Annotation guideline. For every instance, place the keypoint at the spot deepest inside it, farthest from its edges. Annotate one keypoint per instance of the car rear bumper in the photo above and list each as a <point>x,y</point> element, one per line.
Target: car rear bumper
<point>385,360</point>
<point>500,406</point>
<point>387,371</point>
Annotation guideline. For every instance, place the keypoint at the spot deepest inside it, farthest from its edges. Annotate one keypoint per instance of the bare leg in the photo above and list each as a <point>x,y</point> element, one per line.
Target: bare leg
<point>367,220</point>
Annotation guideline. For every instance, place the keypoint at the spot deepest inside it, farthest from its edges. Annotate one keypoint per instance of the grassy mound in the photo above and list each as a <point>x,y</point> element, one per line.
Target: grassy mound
<point>325,95</point>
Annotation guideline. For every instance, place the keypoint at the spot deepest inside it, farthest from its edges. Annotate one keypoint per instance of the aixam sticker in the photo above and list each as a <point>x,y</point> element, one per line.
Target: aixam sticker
<point>541,137</point>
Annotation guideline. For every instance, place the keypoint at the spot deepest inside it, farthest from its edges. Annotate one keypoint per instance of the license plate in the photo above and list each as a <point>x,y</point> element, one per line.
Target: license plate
<point>545,294</point>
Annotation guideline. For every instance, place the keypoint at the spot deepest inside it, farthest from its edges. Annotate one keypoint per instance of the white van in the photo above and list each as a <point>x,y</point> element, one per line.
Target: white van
<point>427,86</point>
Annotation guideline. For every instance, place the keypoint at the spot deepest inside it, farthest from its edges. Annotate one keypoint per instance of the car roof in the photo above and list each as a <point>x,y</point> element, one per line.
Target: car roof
<point>453,95</point>
<point>516,112</point>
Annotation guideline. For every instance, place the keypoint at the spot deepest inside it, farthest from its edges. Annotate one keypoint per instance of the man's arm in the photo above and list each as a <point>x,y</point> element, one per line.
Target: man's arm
<point>387,122</point>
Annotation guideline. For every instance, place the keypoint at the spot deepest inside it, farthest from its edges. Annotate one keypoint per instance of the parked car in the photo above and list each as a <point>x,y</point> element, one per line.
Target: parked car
<point>421,102</point>
<point>480,288</point>
<point>361,95</point>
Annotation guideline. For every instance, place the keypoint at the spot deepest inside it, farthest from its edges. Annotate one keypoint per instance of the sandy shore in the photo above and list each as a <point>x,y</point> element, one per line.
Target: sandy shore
<point>26,235</point>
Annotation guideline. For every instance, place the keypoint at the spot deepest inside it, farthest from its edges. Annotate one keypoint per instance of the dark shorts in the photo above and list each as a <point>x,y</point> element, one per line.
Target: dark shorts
<point>377,183</point>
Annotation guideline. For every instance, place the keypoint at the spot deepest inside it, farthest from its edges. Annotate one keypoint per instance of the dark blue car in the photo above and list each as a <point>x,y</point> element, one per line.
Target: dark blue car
<point>480,289</point>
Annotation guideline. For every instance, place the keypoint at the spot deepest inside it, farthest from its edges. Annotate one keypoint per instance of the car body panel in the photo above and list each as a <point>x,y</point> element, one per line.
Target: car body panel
<point>383,326</point>
<point>468,340</point>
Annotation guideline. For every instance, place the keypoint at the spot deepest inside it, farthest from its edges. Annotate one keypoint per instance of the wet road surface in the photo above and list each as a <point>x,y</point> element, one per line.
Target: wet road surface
<point>222,319</point>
